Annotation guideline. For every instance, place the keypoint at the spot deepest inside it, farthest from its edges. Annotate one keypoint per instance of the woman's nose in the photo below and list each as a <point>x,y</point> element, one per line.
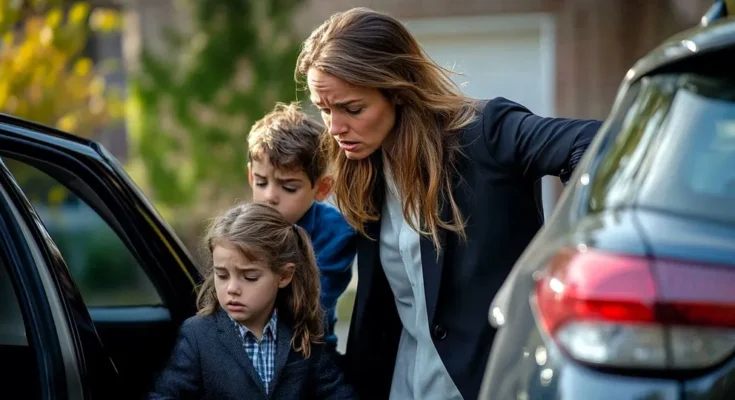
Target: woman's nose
<point>336,125</point>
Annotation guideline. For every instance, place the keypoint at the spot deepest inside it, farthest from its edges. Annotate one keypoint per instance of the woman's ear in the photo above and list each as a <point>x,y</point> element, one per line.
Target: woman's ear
<point>324,187</point>
<point>286,275</point>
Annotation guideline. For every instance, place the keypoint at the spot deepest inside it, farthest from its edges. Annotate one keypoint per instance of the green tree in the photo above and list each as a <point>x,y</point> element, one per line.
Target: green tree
<point>190,109</point>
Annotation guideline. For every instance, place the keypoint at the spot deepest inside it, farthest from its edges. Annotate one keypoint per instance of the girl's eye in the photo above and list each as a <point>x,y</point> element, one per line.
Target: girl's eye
<point>251,279</point>
<point>220,276</point>
<point>260,184</point>
<point>290,189</point>
<point>325,111</point>
<point>354,112</point>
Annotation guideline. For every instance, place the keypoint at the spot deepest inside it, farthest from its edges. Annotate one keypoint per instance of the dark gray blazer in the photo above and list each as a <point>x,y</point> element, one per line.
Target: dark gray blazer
<point>210,362</point>
<point>496,186</point>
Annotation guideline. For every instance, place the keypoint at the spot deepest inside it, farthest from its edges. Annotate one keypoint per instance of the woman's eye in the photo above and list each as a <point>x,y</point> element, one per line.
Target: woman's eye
<point>354,112</point>
<point>260,184</point>
<point>325,111</point>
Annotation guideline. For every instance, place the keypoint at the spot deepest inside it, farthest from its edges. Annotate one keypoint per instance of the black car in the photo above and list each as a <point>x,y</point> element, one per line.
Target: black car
<point>93,283</point>
<point>628,291</point>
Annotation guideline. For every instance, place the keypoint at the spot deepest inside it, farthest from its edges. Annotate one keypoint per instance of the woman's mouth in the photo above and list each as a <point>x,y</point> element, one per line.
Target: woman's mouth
<point>347,145</point>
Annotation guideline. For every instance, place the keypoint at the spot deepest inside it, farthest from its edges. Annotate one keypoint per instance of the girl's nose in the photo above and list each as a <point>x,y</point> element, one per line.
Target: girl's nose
<point>232,287</point>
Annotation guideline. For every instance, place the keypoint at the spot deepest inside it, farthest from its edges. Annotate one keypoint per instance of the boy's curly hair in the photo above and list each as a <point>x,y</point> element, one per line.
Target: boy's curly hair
<point>290,140</point>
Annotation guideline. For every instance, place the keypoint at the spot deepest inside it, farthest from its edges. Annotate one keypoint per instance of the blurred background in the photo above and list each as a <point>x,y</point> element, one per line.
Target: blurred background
<point>171,88</point>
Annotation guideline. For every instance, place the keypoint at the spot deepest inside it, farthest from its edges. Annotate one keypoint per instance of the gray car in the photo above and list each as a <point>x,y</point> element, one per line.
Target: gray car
<point>628,292</point>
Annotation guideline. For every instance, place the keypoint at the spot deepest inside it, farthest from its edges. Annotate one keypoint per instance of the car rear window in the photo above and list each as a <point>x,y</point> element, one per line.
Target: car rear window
<point>691,163</point>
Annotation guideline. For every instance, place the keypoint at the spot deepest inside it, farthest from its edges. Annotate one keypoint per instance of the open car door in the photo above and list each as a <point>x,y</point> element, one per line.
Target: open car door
<point>131,282</point>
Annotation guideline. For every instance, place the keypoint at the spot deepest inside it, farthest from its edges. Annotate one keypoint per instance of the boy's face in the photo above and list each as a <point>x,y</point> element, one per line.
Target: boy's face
<point>289,192</point>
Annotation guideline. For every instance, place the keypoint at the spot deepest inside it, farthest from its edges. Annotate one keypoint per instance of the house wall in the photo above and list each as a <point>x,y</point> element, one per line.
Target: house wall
<point>596,41</point>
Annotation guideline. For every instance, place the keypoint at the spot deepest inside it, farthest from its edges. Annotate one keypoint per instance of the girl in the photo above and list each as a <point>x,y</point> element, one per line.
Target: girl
<point>258,330</point>
<point>442,188</point>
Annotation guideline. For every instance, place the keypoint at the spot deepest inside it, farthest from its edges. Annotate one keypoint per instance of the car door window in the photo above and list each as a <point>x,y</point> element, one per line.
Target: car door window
<point>627,151</point>
<point>105,271</point>
<point>17,359</point>
<point>692,171</point>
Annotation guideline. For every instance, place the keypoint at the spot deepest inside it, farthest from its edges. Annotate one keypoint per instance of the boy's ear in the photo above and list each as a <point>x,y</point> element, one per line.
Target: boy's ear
<point>286,275</point>
<point>324,187</point>
<point>250,173</point>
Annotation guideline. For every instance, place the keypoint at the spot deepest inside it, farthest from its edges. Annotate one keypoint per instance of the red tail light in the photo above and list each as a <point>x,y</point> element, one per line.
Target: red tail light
<point>634,312</point>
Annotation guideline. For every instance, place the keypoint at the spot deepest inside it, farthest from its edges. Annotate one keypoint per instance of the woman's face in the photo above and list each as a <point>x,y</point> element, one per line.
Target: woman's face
<point>358,118</point>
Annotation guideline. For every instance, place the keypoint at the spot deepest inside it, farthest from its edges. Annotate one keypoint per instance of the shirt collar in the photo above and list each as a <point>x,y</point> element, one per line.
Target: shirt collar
<point>271,327</point>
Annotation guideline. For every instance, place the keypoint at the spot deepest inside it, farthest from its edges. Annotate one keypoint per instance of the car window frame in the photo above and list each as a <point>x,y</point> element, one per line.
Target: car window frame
<point>49,332</point>
<point>608,135</point>
<point>92,201</point>
<point>61,153</point>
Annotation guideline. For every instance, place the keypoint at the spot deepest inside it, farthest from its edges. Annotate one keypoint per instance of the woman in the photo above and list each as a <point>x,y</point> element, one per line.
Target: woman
<point>443,189</point>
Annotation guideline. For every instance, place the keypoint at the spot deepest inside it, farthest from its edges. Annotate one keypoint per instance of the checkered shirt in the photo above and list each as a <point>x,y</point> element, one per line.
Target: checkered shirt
<point>262,352</point>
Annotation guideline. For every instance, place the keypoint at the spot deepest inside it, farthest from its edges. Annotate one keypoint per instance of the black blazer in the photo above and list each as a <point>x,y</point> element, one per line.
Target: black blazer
<point>507,150</point>
<point>210,362</point>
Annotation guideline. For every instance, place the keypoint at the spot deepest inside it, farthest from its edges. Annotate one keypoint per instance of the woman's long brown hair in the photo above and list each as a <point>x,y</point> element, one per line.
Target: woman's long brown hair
<point>370,49</point>
<point>262,234</point>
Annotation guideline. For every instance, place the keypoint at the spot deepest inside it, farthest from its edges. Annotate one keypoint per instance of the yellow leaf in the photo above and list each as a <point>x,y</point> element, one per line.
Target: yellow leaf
<point>8,39</point>
<point>83,66</point>
<point>56,195</point>
<point>78,13</point>
<point>105,20</point>
<point>97,86</point>
<point>47,36</point>
<point>67,123</point>
<point>53,18</point>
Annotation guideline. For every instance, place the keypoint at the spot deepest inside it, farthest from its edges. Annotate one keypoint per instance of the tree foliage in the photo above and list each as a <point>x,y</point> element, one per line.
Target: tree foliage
<point>191,106</point>
<point>46,77</point>
<point>44,73</point>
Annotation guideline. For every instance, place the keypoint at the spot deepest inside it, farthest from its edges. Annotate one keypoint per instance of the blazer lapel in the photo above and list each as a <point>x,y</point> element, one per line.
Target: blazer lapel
<point>283,349</point>
<point>368,248</point>
<point>432,264</point>
<point>231,339</point>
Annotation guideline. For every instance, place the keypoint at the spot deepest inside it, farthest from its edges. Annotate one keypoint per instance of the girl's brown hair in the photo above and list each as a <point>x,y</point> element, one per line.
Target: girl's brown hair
<point>370,49</point>
<point>263,235</point>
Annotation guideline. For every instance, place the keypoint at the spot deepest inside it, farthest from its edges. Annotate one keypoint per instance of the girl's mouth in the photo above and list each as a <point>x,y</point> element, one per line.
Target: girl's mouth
<point>235,306</point>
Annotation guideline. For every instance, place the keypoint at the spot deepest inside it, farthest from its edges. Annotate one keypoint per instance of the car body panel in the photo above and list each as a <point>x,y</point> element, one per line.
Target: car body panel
<point>613,203</point>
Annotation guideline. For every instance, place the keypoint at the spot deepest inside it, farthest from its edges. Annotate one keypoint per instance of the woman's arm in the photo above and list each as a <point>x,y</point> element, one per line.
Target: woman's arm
<point>182,378</point>
<point>535,146</point>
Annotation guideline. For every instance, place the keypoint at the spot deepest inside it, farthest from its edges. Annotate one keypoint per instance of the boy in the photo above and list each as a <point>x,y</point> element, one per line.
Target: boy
<point>286,171</point>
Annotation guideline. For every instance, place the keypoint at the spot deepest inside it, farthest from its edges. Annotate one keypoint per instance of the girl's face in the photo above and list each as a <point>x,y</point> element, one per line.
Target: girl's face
<point>246,290</point>
<point>358,118</point>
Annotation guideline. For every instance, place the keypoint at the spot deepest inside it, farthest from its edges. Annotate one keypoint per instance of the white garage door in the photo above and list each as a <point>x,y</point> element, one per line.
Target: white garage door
<point>510,56</point>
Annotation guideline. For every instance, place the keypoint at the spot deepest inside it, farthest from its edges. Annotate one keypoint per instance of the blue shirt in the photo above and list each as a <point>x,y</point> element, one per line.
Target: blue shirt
<point>262,352</point>
<point>335,245</point>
